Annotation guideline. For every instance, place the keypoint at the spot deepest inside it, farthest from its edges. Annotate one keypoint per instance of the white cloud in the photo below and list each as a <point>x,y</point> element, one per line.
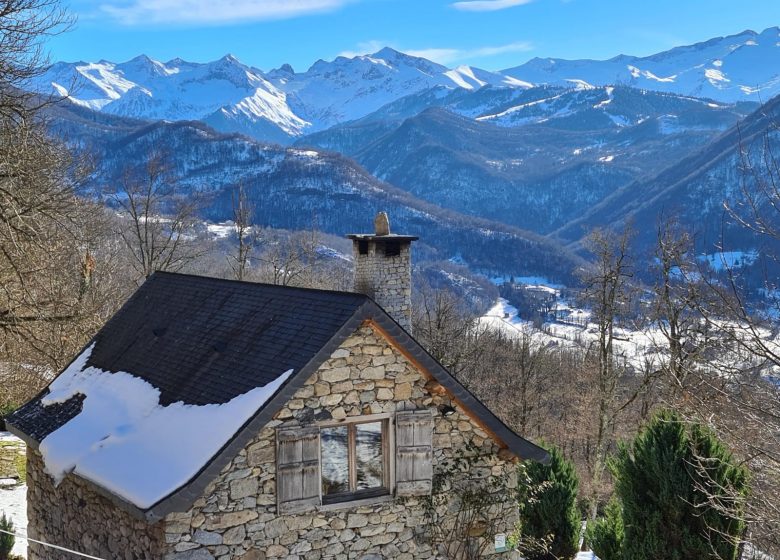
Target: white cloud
<point>488,5</point>
<point>447,56</point>
<point>364,47</point>
<point>209,12</point>
<point>441,55</point>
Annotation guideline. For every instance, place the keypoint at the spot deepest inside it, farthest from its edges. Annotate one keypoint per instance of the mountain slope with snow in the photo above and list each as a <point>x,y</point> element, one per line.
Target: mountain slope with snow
<point>741,67</point>
<point>234,97</point>
<point>545,155</point>
<point>282,105</point>
<point>695,189</point>
<point>345,89</point>
<point>291,188</point>
<point>225,90</point>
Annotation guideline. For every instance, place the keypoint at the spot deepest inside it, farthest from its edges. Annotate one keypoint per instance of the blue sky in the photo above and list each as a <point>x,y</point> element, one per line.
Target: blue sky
<point>491,34</point>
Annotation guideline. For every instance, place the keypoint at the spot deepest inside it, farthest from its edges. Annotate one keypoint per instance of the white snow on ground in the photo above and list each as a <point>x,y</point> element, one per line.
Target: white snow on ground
<point>13,502</point>
<point>730,259</point>
<point>529,280</point>
<point>636,348</point>
<point>633,347</point>
<point>222,229</point>
<point>123,435</point>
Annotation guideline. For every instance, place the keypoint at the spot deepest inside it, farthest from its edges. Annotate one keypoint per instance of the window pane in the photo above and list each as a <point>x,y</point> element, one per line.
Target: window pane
<point>335,460</point>
<point>368,452</point>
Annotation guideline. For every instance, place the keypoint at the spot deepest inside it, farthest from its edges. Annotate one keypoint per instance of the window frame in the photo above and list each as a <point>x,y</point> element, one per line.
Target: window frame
<point>388,464</point>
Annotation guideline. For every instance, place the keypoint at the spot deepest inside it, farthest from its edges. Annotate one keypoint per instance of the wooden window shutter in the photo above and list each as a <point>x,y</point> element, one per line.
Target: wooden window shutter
<point>297,469</point>
<point>413,452</point>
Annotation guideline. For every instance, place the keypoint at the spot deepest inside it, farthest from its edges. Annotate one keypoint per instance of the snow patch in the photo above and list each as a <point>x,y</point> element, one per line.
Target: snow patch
<point>729,259</point>
<point>222,229</point>
<point>715,76</point>
<point>126,442</point>
<point>580,85</point>
<point>608,100</point>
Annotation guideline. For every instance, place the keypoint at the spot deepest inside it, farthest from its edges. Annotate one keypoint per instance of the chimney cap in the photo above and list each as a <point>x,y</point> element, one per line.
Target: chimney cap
<point>372,237</point>
<point>381,231</point>
<point>382,224</point>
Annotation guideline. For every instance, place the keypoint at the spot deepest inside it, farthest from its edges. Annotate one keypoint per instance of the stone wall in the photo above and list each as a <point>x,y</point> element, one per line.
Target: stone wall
<point>388,280</point>
<point>236,517</point>
<point>74,516</point>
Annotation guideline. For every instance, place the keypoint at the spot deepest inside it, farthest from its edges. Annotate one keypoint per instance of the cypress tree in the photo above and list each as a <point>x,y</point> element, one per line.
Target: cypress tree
<point>605,535</point>
<point>548,507</point>
<point>666,480</point>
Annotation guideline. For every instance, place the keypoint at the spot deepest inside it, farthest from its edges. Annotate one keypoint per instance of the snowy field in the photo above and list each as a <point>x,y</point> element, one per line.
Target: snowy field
<point>13,501</point>
<point>635,347</point>
<point>638,348</point>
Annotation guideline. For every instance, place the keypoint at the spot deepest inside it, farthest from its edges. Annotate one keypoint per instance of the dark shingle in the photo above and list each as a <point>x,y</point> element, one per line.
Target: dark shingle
<point>204,340</point>
<point>36,421</point>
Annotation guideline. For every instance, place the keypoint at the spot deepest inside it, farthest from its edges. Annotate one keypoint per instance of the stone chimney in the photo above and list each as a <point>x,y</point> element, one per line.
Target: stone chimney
<point>383,269</point>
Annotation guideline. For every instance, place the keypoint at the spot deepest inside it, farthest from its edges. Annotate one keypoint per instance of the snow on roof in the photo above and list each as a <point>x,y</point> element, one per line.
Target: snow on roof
<point>126,442</point>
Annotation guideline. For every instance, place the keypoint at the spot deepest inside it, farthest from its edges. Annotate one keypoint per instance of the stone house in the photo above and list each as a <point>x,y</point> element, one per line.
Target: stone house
<point>230,420</point>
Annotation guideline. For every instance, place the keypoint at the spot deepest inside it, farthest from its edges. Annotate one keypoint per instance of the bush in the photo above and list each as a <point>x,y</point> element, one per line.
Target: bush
<point>6,540</point>
<point>605,535</point>
<point>660,480</point>
<point>548,507</point>
<point>6,408</point>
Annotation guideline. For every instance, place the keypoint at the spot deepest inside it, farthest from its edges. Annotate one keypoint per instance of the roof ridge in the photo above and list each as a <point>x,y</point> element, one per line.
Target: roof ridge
<point>251,283</point>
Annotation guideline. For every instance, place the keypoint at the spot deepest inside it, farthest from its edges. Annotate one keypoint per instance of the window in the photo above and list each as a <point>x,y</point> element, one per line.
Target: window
<point>364,457</point>
<point>354,460</point>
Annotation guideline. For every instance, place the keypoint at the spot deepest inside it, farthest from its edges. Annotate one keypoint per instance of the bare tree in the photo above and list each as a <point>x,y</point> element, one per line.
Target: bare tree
<point>289,260</point>
<point>57,281</point>
<point>738,393</point>
<point>447,330</point>
<point>607,292</point>
<point>678,296</point>
<point>24,27</point>
<point>245,236</point>
<point>158,224</point>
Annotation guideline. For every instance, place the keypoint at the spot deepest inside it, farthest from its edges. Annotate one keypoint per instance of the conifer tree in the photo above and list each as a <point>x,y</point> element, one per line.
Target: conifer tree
<point>6,540</point>
<point>605,535</point>
<point>680,488</point>
<point>551,512</point>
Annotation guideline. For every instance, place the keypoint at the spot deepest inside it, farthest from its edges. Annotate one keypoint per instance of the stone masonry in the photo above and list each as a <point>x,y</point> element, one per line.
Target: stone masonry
<point>236,516</point>
<point>386,279</point>
<point>74,516</point>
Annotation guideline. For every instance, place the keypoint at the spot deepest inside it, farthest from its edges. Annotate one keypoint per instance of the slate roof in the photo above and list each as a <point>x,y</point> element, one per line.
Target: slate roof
<point>204,340</point>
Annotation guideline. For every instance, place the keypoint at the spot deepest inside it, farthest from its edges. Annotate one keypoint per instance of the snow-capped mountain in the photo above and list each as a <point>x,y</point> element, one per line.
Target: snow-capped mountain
<point>234,97</point>
<point>346,89</point>
<point>545,154</point>
<point>282,105</point>
<point>226,91</point>
<point>327,187</point>
<point>742,67</point>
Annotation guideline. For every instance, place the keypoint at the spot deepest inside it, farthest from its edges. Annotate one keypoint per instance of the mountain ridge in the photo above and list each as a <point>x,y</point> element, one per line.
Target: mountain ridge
<point>282,105</point>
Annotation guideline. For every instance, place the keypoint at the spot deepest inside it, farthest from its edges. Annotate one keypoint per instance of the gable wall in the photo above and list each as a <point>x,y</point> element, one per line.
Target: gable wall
<point>74,516</point>
<point>236,516</point>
